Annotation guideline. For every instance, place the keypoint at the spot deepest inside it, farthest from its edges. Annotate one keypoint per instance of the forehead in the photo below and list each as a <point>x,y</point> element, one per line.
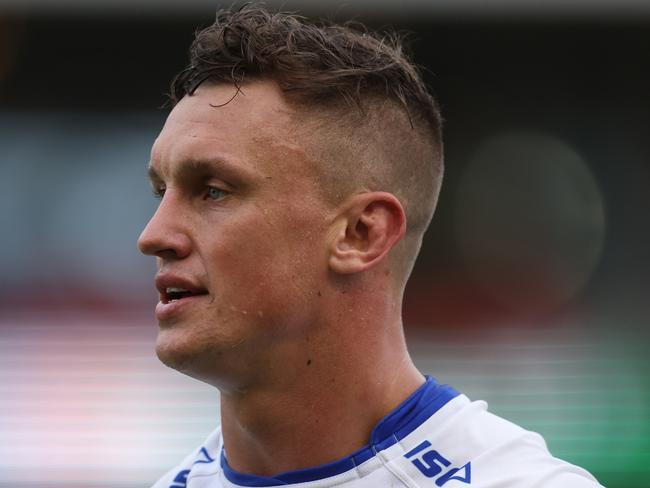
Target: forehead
<point>252,126</point>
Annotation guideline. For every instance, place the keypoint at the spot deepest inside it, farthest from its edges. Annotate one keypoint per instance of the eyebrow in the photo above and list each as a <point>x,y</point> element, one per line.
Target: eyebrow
<point>204,167</point>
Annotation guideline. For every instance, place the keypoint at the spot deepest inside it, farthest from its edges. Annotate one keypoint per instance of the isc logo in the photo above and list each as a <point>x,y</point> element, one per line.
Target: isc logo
<point>181,478</point>
<point>431,464</point>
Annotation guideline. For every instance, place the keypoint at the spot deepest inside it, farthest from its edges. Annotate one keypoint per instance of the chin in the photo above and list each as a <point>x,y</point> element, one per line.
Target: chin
<point>203,358</point>
<point>176,351</point>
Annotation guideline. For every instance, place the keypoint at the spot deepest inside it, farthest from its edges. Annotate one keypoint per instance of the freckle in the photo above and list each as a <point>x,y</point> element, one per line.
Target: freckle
<point>308,362</point>
<point>319,293</point>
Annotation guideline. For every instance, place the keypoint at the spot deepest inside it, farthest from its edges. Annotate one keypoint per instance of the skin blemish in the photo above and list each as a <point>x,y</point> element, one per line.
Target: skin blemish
<point>308,362</point>
<point>319,293</point>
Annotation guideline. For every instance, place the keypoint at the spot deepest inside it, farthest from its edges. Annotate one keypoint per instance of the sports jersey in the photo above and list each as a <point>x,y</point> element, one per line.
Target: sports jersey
<point>435,438</point>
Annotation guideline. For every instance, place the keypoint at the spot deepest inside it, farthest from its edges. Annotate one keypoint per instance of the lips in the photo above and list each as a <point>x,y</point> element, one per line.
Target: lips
<point>176,294</point>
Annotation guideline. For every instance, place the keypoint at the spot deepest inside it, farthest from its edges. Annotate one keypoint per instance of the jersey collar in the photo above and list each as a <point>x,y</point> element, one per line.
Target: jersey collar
<point>399,423</point>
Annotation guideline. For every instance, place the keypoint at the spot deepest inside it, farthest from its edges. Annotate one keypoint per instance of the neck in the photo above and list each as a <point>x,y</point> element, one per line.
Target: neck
<point>317,411</point>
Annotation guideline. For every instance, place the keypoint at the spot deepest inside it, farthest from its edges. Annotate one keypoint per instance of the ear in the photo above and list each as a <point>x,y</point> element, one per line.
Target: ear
<point>368,227</point>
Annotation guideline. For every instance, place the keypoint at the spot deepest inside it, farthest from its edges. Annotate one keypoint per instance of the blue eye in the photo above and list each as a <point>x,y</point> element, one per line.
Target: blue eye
<point>215,193</point>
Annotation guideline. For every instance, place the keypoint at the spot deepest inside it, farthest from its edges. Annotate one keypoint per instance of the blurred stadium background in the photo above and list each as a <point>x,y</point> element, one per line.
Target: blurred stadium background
<point>531,292</point>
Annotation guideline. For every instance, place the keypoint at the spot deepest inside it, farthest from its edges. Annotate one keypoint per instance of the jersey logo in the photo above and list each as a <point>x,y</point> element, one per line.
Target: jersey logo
<point>181,479</point>
<point>431,464</point>
<point>206,457</point>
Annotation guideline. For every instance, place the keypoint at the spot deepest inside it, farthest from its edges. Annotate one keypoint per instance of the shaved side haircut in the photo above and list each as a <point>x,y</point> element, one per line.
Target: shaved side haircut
<point>366,117</point>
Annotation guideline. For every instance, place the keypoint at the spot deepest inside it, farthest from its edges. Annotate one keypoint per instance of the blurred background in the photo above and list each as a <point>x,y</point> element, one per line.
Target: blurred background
<point>531,291</point>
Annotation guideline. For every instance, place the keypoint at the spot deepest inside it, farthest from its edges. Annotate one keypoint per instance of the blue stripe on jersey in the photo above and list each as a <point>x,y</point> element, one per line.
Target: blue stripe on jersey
<point>417,408</point>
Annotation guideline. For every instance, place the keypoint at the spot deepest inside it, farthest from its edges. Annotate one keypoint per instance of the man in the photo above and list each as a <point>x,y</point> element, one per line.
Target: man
<point>297,172</point>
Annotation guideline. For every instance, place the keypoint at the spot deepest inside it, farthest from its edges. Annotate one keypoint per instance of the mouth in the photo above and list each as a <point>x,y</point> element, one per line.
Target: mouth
<point>177,296</point>
<point>173,294</point>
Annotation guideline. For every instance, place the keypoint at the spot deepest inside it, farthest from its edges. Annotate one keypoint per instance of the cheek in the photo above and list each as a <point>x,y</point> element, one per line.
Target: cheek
<point>261,279</point>
<point>266,269</point>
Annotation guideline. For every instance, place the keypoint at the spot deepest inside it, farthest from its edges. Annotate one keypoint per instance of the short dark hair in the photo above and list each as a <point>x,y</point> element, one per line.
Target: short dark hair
<point>393,142</point>
<point>311,62</point>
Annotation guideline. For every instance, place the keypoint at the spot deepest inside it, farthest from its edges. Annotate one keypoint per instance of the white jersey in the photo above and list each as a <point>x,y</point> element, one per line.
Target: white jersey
<point>436,438</point>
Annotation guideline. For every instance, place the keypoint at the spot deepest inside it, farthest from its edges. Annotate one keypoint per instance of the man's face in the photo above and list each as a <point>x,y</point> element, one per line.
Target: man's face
<point>239,234</point>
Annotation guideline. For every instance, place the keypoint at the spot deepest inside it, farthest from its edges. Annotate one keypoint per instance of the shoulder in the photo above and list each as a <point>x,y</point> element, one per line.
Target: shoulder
<point>465,443</point>
<point>202,461</point>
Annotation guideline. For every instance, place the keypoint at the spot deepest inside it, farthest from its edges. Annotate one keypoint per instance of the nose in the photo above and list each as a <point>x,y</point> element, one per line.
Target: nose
<point>167,233</point>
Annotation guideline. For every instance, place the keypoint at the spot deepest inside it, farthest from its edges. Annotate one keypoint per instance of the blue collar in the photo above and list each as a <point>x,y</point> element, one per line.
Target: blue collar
<point>417,408</point>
